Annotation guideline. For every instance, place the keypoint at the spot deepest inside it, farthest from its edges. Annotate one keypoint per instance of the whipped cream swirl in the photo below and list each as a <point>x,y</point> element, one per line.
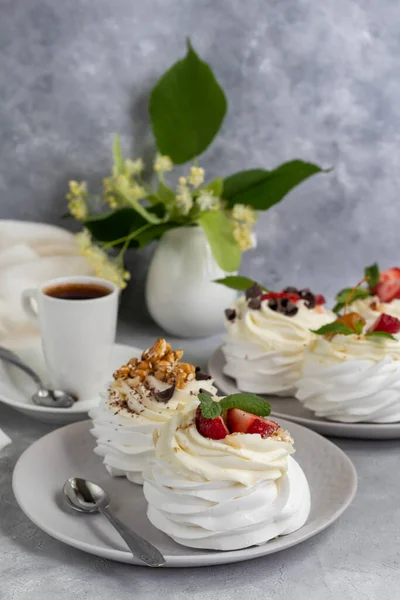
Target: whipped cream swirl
<point>224,494</point>
<point>352,379</point>
<point>264,348</point>
<point>126,419</point>
<point>371,308</point>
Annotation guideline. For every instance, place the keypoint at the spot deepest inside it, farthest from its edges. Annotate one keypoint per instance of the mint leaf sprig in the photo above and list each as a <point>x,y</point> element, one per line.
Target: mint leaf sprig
<point>373,274</point>
<point>380,334</point>
<point>349,295</point>
<point>339,327</point>
<point>210,409</point>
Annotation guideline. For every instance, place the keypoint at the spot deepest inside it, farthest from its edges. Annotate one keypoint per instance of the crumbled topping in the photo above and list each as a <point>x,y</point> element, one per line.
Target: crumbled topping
<point>281,435</point>
<point>159,361</point>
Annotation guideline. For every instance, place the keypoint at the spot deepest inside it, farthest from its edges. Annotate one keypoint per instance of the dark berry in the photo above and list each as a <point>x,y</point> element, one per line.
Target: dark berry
<point>254,303</point>
<point>253,292</point>
<point>309,300</point>
<point>283,302</point>
<point>304,293</point>
<point>290,290</point>
<point>273,303</point>
<point>291,310</point>
<point>230,314</point>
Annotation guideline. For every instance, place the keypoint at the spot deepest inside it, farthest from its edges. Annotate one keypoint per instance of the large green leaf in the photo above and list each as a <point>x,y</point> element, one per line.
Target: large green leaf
<point>218,229</point>
<point>238,282</point>
<point>262,189</point>
<point>187,107</point>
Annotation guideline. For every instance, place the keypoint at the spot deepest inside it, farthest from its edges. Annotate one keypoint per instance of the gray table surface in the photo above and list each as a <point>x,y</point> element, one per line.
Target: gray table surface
<point>356,558</point>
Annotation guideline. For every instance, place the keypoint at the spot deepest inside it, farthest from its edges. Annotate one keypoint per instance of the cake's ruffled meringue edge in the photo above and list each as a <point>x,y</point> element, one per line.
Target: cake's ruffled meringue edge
<point>264,349</point>
<point>224,494</point>
<point>352,380</point>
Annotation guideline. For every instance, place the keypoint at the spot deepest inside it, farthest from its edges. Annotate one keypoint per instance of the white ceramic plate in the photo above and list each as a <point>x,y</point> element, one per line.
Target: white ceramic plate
<point>16,388</point>
<point>292,409</point>
<point>69,452</point>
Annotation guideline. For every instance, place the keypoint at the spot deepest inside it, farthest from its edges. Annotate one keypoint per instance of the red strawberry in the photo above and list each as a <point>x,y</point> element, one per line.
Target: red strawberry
<point>386,323</point>
<point>278,295</point>
<point>390,274</point>
<point>319,299</point>
<point>240,421</point>
<point>211,428</point>
<point>388,290</point>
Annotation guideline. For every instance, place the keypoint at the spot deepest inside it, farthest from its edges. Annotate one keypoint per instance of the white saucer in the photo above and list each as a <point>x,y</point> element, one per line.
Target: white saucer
<point>68,452</point>
<point>292,409</point>
<point>16,388</point>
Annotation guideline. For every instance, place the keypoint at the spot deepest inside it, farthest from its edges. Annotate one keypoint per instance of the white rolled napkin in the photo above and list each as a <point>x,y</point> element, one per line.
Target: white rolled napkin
<point>4,440</point>
<point>30,254</point>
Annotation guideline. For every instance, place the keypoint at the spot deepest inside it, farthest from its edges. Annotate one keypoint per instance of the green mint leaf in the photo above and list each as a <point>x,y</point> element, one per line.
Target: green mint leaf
<point>372,273</point>
<point>335,327</point>
<point>358,327</point>
<point>219,232</point>
<point>262,189</point>
<point>187,107</point>
<point>341,297</point>
<point>248,402</point>
<point>210,409</point>
<point>117,155</point>
<point>338,308</point>
<point>238,282</point>
<point>380,334</point>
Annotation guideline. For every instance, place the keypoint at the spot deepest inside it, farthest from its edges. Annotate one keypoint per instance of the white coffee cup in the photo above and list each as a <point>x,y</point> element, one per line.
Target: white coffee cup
<point>77,335</point>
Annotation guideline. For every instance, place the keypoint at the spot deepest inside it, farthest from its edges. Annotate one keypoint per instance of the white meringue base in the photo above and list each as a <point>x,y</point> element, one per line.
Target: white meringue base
<point>354,391</point>
<point>260,372</point>
<point>225,515</point>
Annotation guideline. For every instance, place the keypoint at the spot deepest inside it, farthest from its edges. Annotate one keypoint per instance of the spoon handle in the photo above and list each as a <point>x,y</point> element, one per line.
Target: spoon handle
<point>13,359</point>
<point>139,546</point>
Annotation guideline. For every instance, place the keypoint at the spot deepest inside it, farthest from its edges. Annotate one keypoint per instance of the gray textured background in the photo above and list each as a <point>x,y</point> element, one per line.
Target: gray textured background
<point>308,79</point>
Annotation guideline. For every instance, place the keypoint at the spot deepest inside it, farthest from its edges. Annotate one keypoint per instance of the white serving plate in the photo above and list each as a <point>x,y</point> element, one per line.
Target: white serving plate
<point>68,452</point>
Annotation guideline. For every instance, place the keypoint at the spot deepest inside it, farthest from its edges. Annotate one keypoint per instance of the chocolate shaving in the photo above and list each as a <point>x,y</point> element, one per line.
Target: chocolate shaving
<point>165,395</point>
<point>201,376</point>
<point>230,314</point>
<point>253,292</point>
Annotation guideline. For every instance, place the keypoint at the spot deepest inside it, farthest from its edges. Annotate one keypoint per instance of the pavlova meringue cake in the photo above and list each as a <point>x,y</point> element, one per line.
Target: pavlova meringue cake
<point>379,293</point>
<point>145,394</point>
<point>225,482</point>
<point>352,372</point>
<point>267,335</point>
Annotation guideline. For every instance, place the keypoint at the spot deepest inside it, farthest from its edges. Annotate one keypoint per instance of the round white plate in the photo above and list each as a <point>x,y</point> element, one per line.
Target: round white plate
<point>69,452</point>
<point>292,409</point>
<point>16,388</point>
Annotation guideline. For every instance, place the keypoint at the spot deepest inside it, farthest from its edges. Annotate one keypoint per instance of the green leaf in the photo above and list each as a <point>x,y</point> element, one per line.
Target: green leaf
<point>342,296</point>
<point>372,273</point>
<point>216,186</point>
<point>238,282</point>
<point>262,189</point>
<point>210,409</point>
<point>335,327</point>
<point>248,402</point>
<point>187,107</point>
<point>358,327</point>
<point>380,334</point>
<point>117,155</point>
<point>218,229</point>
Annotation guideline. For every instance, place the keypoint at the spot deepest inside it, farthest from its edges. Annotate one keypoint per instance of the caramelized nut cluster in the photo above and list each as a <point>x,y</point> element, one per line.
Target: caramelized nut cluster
<point>160,361</point>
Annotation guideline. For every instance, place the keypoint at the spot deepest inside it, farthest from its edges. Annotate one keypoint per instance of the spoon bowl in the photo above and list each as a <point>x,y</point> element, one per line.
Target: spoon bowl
<point>87,497</point>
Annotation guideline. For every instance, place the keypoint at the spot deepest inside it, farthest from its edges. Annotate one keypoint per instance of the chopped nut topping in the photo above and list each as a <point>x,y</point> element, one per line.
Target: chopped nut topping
<point>160,361</point>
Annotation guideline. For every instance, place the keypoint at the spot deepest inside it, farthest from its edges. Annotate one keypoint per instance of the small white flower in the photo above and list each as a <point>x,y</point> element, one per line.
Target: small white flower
<point>184,198</point>
<point>206,200</point>
<point>196,176</point>
<point>162,164</point>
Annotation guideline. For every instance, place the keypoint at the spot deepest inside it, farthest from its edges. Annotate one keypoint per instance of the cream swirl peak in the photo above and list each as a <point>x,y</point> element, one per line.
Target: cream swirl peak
<point>233,492</point>
<point>267,335</point>
<point>145,393</point>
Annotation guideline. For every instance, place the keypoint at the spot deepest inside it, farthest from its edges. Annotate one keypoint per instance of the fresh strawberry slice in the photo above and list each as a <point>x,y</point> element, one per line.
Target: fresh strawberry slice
<point>390,274</point>
<point>279,295</point>
<point>386,323</point>
<point>240,421</point>
<point>211,428</point>
<point>319,299</point>
<point>388,290</point>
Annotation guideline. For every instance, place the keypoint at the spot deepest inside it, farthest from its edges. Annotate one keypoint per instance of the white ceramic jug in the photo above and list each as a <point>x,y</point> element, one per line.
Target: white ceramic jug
<point>180,293</point>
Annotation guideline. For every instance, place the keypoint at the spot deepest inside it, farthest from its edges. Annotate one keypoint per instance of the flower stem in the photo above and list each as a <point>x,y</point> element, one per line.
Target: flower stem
<point>128,238</point>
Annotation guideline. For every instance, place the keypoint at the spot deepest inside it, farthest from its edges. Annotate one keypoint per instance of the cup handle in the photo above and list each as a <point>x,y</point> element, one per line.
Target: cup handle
<point>27,305</point>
